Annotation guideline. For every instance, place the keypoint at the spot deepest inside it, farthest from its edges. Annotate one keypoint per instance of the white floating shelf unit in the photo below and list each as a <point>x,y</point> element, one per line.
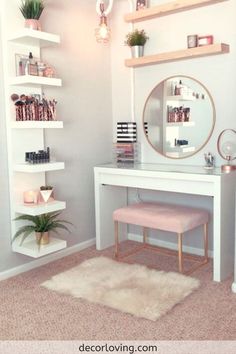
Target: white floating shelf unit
<point>31,37</point>
<point>180,124</point>
<point>39,209</point>
<point>29,80</point>
<point>31,249</point>
<point>27,124</point>
<point>41,167</point>
<point>181,98</point>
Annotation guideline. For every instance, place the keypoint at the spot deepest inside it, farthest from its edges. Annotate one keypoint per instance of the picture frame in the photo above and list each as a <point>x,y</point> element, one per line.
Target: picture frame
<point>141,4</point>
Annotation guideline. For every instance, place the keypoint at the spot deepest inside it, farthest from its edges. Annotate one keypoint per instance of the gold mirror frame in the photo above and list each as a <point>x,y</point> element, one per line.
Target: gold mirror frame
<point>213,118</point>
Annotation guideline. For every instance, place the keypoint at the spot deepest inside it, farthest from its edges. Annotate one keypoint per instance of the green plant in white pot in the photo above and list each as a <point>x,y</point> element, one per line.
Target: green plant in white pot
<point>136,41</point>
<point>32,10</point>
<point>41,225</point>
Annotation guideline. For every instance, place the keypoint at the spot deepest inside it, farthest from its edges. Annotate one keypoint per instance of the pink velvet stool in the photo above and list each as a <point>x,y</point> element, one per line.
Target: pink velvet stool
<point>165,217</point>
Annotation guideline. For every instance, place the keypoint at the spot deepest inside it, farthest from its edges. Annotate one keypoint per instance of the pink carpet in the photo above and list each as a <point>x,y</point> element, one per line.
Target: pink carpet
<point>31,312</point>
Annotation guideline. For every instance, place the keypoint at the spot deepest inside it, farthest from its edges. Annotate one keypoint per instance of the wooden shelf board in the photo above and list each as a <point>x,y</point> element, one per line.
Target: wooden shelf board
<point>30,80</point>
<point>32,249</point>
<point>168,9</point>
<point>29,37</point>
<point>37,124</point>
<point>183,54</point>
<point>41,208</point>
<point>41,167</point>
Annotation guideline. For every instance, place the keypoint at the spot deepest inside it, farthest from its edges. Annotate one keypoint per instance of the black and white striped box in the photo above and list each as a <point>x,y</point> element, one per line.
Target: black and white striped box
<point>126,132</point>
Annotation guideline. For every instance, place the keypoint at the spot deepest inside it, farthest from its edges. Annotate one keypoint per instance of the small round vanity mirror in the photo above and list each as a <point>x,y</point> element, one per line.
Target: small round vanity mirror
<point>178,117</point>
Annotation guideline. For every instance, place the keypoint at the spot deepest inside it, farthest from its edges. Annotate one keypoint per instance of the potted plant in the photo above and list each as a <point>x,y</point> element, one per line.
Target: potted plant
<point>46,192</point>
<point>136,41</point>
<point>32,10</point>
<point>41,225</point>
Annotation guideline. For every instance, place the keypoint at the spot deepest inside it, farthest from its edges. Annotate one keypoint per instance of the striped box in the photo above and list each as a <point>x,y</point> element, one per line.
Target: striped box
<point>126,132</point>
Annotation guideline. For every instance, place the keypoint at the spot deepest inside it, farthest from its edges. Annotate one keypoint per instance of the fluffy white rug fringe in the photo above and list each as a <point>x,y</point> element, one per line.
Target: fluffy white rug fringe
<point>130,288</point>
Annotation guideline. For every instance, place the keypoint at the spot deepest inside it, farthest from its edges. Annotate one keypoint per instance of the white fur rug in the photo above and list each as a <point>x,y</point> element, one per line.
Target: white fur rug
<point>130,288</point>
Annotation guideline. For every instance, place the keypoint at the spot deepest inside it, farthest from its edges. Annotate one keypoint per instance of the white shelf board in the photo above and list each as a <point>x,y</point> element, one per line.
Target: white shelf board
<point>180,124</point>
<point>37,124</point>
<point>183,148</point>
<point>181,98</point>
<point>41,167</point>
<point>39,209</point>
<point>30,37</point>
<point>35,80</point>
<point>32,249</point>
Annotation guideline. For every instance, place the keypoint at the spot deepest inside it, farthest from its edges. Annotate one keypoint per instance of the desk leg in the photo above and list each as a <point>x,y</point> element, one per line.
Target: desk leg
<point>107,199</point>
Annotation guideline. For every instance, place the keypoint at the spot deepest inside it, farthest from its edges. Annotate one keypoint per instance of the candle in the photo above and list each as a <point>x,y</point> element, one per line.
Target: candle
<point>31,197</point>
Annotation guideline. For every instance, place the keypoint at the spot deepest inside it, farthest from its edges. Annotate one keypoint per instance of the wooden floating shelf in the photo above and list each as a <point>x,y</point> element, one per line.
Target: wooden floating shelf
<point>41,208</point>
<point>168,9</point>
<point>30,80</point>
<point>183,54</point>
<point>37,124</point>
<point>41,167</point>
<point>31,249</point>
<point>31,37</point>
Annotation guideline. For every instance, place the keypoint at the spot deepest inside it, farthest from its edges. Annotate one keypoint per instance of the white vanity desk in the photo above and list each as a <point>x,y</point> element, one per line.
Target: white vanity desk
<point>110,194</point>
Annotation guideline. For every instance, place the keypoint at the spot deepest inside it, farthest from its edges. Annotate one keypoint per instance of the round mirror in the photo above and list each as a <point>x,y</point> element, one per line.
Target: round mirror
<point>178,117</point>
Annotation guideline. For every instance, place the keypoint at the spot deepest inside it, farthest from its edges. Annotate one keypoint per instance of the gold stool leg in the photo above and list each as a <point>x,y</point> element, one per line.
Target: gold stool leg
<point>145,235</point>
<point>206,241</point>
<point>180,253</point>
<point>116,239</point>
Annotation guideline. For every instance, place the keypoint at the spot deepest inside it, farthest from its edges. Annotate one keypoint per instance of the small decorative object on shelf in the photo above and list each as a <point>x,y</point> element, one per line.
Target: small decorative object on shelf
<point>192,40</point>
<point>40,225</point>
<point>38,157</point>
<point>34,108</point>
<point>126,132</point>
<point>141,4</point>
<point>205,40</point>
<point>46,192</point>
<point>31,197</point>
<point>136,41</point>
<point>29,65</point>
<point>32,10</point>
<point>210,161</point>
<point>181,142</point>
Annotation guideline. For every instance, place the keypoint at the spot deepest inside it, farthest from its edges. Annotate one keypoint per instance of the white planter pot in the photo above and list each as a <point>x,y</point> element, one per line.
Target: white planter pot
<point>46,194</point>
<point>137,51</point>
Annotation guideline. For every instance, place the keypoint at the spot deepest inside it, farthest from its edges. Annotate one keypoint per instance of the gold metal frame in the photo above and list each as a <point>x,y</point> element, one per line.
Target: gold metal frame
<point>179,253</point>
<point>213,118</point>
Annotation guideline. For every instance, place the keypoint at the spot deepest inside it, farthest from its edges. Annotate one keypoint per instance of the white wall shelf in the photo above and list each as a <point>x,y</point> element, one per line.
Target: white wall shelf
<point>31,249</point>
<point>181,98</point>
<point>37,124</point>
<point>180,124</point>
<point>183,54</point>
<point>171,7</point>
<point>39,209</point>
<point>29,80</point>
<point>31,37</point>
<point>41,167</point>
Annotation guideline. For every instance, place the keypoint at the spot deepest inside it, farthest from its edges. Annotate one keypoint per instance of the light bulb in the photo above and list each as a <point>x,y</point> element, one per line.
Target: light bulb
<point>102,33</point>
<point>229,149</point>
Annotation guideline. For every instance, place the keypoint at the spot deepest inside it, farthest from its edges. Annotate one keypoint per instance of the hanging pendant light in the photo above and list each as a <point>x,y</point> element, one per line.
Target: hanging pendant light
<point>102,33</point>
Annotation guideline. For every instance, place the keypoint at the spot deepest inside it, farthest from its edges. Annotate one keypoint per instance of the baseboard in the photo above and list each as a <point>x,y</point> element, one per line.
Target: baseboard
<point>47,259</point>
<point>233,287</point>
<point>170,245</point>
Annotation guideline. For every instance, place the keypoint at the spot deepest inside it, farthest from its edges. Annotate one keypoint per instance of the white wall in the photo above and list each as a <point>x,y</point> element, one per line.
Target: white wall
<point>217,73</point>
<point>84,104</point>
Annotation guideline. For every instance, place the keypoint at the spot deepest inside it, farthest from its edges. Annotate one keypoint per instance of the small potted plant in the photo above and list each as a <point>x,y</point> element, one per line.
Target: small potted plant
<point>46,192</point>
<point>136,41</point>
<point>32,10</point>
<point>41,225</point>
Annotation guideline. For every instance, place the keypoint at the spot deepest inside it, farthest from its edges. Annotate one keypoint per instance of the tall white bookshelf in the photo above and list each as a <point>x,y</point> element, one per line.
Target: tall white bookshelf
<point>23,136</point>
